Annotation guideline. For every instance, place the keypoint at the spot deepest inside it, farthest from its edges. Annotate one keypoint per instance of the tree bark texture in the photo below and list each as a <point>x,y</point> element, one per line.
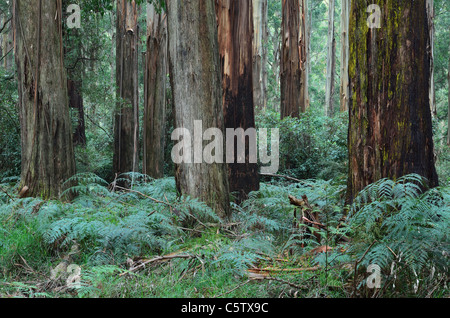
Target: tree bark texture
<point>294,96</point>
<point>331,61</point>
<point>126,132</point>
<point>197,94</point>
<point>344,87</point>
<point>260,20</point>
<point>390,129</point>
<point>155,93</point>
<point>235,45</point>
<point>46,132</point>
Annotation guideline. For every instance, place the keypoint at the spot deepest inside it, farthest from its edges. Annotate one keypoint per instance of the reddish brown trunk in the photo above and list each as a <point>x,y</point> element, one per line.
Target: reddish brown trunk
<point>390,132</point>
<point>293,58</point>
<point>236,57</point>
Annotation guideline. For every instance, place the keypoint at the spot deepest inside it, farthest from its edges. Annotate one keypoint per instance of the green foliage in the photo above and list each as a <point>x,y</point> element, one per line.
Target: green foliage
<point>407,229</point>
<point>320,144</point>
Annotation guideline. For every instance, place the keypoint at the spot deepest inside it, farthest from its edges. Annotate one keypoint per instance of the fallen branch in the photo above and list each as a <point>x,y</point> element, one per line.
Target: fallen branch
<point>157,259</point>
<point>144,195</point>
<point>285,270</point>
<point>281,176</point>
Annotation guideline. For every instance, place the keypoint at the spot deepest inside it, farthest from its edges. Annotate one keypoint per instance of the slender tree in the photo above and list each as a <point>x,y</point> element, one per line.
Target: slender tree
<point>294,68</point>
<point>344,87</point>
<point>430,12</point>
<point>390,129</point>
<point>235,46</point>
<point>46,132</point>
<point>331,61</point>
<point>155,93</point>
<point>260,29</point>
<point>448,75</point>
<point>197,95</point>
<point>126,131</point>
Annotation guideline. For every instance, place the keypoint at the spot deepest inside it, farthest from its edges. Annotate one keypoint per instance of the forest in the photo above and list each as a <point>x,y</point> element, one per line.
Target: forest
<point>224,149</point>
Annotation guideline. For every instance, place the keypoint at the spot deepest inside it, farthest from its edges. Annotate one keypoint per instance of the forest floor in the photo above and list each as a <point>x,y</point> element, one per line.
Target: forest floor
<point>285,241</point>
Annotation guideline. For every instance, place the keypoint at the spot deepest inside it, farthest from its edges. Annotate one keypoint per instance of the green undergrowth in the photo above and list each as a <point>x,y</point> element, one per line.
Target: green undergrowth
<point>148,242</point>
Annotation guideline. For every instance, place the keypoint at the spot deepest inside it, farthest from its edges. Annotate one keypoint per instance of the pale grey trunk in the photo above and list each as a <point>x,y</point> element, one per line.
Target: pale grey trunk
<point>260,16</point>
<point>197,94</point>
<point>344,87</point>
<point>46,132</point>
<point>329,108</point>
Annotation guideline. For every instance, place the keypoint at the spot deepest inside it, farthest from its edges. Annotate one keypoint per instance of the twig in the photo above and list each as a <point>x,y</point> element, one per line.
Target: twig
<point>156,259</point>
<point>230,291</point>
<point>280,281</point>
<point>145,196</point>
<point>287,270</point>
<point>281,176</point>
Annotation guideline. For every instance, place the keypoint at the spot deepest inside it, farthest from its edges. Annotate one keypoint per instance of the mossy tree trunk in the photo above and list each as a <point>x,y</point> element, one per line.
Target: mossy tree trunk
<point>390,132</point>
<point>236,57</point>
<point>197,94</point>
<point>46,132</point>
<point>155,93</point>
<point>126,130</point>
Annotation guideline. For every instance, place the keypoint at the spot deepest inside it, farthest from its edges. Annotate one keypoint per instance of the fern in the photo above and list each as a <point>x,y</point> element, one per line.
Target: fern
<point>405,224</point>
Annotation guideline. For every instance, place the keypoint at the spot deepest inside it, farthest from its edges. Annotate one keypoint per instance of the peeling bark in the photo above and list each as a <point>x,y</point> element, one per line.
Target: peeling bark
<point>235,46</point>
<point>294,95</point>
<point>197,94</point>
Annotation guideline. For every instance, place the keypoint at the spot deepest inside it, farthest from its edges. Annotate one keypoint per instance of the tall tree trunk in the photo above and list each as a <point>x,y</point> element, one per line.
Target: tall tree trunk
<point>46,133</point>
<point>126,155</point>
<point>448,75</point>
<point>73,47</point>
<point>331,62</point>
<point>235,46</point>
<point>430,12</point>
<point>390,129</point>
<point>155,93</point>
<point>197,94</point>
<point>260,20</point>
<point>6,41</point>
<point>344,87</point>
<point>294,97</point>
<point>76,102</point>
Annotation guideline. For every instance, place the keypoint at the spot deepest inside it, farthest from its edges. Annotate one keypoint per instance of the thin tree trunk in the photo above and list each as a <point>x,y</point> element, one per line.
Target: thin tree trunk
<point>76,102</point>
<point>448,75</point>
<point>260,20</point>
<point>344,87</point>
<point>390,128</point>
<point>331,64</point>
<point>126,157</point>
<point>430,12</point>
<point>235,46</point>
<point>294,97</point>
<point>197,94</point>
<point>155,96</point>
<point>46,136</point>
